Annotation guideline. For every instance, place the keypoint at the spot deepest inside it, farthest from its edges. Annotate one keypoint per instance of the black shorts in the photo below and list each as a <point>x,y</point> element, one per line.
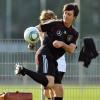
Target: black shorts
<point>58,77</point>
<point>47,65</point>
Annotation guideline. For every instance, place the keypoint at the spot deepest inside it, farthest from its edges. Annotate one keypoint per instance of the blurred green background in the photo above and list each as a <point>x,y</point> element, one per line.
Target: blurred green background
<point>16,15</point>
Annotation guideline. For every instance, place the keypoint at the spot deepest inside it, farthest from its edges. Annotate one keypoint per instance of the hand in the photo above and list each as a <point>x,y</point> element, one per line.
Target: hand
<point>58,44</point>
<point>30,46</point>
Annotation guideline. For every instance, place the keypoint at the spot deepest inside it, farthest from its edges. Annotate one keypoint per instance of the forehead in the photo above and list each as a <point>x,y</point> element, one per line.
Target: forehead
<point>69,11</point>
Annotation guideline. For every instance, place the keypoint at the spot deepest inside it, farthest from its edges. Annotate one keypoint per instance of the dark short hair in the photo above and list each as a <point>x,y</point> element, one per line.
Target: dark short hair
<point>71,6</point>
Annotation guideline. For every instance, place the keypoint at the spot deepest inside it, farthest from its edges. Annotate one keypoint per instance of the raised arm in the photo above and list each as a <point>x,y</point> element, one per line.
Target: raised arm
<point>68,48</point>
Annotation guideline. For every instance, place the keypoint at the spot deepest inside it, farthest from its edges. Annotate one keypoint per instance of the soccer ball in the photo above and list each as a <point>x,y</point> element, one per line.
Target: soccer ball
<point>31,35</point>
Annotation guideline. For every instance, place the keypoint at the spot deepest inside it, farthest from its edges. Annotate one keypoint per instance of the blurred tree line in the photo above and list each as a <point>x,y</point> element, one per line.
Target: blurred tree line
<point>24,13</point>
<point>90,17</point>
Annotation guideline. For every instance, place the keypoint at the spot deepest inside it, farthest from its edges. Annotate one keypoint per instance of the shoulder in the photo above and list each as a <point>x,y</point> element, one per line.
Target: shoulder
<point>75,31</point>
<point>59,21</point>
<point>53,21</point>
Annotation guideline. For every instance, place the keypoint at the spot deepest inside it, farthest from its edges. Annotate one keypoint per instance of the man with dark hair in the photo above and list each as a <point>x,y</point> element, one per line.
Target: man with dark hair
<point>71,6</point>
<point>59,37</point>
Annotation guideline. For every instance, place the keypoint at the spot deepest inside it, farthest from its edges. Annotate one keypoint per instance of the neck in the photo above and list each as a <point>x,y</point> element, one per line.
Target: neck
<point>67,25</point>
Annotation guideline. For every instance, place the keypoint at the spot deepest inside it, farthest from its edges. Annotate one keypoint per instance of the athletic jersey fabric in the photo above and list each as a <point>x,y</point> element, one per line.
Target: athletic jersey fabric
<point>56,30</point>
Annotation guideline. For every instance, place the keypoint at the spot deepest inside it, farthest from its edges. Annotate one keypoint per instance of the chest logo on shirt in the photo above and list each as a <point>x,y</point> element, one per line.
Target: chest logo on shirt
<point>69,38</point>
<point>65,34</point>
<point>59,33</point>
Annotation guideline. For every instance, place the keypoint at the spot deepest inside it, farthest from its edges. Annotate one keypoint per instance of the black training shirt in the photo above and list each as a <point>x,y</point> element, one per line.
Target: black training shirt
<point>56,30</point>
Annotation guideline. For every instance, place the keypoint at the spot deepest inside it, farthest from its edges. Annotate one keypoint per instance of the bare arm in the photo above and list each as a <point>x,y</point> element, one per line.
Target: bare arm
<point>41,34</point>
<point>68,48</point>
<point>38,27</point>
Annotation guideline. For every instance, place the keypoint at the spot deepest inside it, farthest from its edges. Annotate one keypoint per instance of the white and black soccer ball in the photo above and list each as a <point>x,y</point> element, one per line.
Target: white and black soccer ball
<point>31,35</point>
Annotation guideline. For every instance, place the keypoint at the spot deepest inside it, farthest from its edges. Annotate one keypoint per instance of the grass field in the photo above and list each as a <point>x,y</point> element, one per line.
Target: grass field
<point>82,93</point>
<point>70,92</point>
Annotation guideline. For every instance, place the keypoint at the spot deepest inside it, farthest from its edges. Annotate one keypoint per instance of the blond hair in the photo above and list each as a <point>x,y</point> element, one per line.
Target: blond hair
<point>47,15</point>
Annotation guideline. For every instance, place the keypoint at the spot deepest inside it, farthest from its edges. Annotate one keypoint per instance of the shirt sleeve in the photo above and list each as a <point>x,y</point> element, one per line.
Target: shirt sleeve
<point>75,37</point>
<point>46,26</point>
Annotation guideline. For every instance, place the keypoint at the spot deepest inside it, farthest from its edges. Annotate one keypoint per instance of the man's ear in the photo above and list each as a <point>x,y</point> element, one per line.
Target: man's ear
<point>74,18</point>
